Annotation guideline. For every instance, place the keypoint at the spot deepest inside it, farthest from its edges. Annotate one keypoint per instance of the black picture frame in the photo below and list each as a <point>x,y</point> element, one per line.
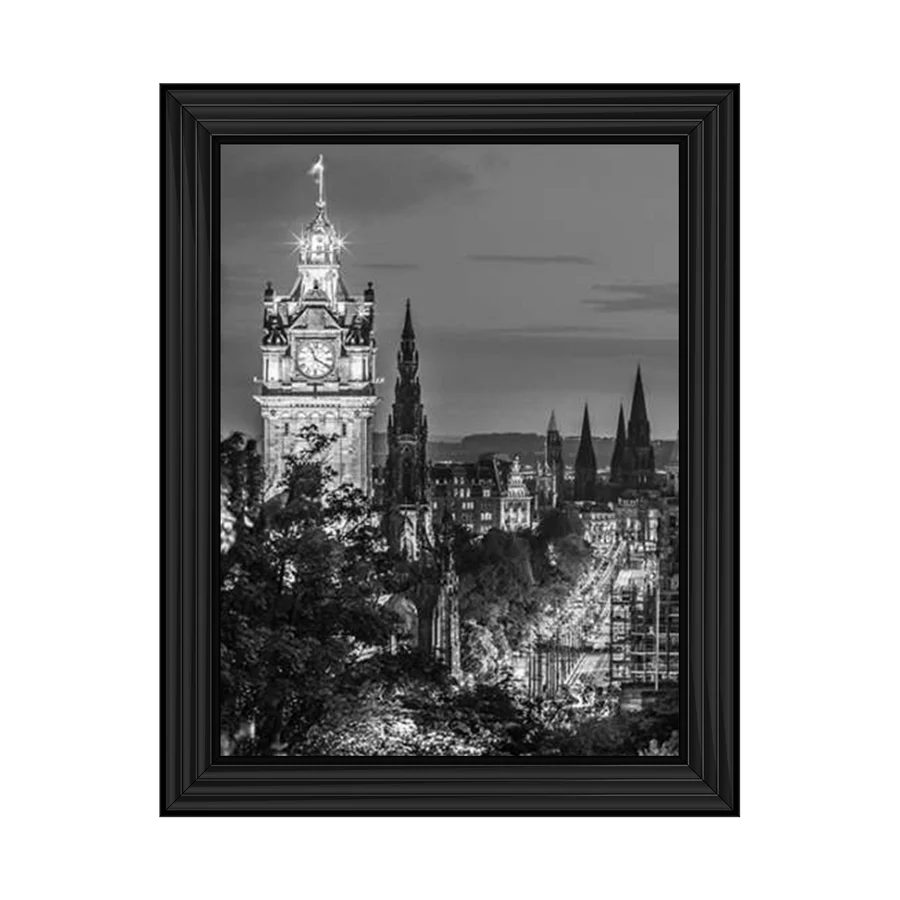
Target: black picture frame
<point>703,121</point>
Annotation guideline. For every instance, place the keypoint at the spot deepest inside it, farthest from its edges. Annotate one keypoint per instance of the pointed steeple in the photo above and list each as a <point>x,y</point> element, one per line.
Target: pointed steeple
<point>551,425</point>
<point>586,446</point>
<point>408,355</point>
<point>585,426</point>
<point>639,462</point>
<point>585,462</point>
<point>406,478</point>
<point>638,406</point>
<point>619,449</point>
<point>408,333</point>
<point>620,428</point>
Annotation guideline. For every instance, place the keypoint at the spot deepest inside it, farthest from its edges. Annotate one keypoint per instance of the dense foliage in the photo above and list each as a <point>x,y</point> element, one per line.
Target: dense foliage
<point>308,664</point>
<point>297,598</point>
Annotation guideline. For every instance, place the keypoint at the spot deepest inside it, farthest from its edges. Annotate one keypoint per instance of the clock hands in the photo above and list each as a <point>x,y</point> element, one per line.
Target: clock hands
<point>318,363</point>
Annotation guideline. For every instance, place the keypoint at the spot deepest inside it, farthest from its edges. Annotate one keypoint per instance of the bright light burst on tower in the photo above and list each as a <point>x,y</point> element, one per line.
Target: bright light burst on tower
<point>296,243</point>
<point>340,242</point>
<point>344,242</point>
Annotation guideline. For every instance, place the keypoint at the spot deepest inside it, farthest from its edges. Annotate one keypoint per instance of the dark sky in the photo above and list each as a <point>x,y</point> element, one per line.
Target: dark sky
<point>540,276</point>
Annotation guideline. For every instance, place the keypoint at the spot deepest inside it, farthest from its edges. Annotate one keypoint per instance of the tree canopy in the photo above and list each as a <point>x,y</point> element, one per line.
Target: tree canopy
<point>309,660</point>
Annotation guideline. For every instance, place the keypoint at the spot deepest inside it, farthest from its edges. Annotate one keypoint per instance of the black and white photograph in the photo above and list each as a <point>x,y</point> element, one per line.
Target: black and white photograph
<point>449,450</point>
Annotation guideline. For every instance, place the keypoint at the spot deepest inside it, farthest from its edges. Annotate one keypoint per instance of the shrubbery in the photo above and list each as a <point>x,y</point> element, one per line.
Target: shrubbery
<point>307,663</point>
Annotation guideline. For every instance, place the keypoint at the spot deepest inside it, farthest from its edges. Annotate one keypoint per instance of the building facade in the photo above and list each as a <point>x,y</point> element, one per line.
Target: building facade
<point>489,493</point>
<point>318,361</point>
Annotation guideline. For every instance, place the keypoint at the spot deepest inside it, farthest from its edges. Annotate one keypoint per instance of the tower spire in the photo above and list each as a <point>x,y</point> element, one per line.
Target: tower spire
<point>620,449</point>
<point>407,477</point>
<point>638,404</point>
<point>585,462</point>
<point>408,333</point>
<point>556,469</point>
<point>408,354</point>
<point>639,462</point>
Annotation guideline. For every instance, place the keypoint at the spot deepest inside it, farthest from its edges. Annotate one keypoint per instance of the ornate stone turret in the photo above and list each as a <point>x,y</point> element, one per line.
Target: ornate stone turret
<point>556,468</point>
<point>406,483</point>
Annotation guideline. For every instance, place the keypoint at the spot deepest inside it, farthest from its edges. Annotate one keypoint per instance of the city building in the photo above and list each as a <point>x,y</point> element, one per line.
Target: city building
<point>485,494</point>
<point>318,359</point>
<point>672,468</point>
<point>644,631</point>
<point>601,525</point>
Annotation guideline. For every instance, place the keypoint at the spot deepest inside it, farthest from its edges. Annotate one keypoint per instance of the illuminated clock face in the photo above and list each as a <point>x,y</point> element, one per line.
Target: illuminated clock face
<point>315,358</point>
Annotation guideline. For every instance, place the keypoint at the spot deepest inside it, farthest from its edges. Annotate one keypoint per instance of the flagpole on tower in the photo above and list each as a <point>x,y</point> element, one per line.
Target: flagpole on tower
<point>318,172</point>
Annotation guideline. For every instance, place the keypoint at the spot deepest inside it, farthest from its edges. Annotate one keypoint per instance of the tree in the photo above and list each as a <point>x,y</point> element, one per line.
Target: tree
<point>306,661</point>
<point>299,589</point>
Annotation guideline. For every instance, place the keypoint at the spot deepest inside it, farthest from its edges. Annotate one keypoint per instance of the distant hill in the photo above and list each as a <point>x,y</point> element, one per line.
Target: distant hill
<point>529,447</point>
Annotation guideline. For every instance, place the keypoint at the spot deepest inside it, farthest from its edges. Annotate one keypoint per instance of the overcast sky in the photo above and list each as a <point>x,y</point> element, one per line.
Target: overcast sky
<point>540,276</point>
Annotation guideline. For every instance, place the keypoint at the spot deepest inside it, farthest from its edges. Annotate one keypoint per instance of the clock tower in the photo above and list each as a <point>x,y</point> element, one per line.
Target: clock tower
<point>318,359</point>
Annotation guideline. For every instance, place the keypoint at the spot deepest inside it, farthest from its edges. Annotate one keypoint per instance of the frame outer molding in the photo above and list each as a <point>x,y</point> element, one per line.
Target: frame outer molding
<point>194,122</point>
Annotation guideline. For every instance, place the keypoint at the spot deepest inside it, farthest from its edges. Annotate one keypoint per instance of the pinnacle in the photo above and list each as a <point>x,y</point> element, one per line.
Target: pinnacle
<point>408,332</point>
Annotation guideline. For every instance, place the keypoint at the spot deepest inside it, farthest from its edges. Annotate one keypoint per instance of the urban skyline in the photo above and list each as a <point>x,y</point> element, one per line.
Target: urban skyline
<point>534,581</point>
<point>548,354</point>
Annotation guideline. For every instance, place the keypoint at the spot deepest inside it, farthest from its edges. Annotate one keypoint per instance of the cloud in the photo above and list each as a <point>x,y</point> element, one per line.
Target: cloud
<point>554,331</point>
<point>397,267</point>
<point>493,160</point>
<point>562,258</point>
<point>634,298</point>
<point>560,342</point>
<point>236,271</point>
<point>271,181</point>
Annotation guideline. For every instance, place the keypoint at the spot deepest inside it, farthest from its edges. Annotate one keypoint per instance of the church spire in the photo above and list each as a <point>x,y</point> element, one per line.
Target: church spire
<point>586,446</point>
<point>551,425</point>
<point>638,419</point>
<point>639,463</point>
<point>585,462</point>
<point>408,354</point>
<point>619,449</point>
<point>406,480</point>
<point>408,332</point>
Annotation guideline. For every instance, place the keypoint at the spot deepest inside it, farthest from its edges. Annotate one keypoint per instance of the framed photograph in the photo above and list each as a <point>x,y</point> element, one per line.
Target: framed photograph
<point>433,357</point>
